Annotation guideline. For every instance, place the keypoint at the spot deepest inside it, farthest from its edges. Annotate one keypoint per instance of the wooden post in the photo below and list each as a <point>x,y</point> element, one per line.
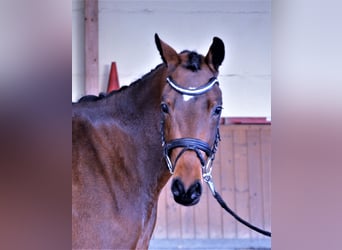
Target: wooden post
<point>91,47</point>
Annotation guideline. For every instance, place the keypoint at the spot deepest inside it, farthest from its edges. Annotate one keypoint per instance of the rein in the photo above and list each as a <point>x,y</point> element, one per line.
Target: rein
<point>197,146</point>
<point>217,196</point>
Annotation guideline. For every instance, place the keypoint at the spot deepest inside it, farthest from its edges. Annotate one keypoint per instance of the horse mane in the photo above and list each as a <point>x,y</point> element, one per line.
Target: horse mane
<point>193,63</point>
<point>94,98</point>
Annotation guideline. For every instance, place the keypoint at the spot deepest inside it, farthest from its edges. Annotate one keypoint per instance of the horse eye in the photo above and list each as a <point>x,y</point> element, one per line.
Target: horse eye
<point>164,108</point>
<point>218,110</point>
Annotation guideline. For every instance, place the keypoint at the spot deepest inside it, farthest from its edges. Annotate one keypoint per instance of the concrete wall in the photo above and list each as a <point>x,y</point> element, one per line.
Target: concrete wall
<point>126,30</point>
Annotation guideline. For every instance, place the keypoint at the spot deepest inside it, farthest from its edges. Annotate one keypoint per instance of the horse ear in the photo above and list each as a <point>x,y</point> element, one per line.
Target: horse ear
<point>168,54</point>
<point>215,55</point>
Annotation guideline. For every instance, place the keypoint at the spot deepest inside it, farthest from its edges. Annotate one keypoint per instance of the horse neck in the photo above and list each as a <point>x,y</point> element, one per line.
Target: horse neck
<point>146,92</point>
<point>140,107</point>
<point>143,95</point>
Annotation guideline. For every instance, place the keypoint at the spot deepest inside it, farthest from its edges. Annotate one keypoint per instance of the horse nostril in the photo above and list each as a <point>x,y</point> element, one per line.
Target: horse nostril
<point>188,197</point>
<point>195,190</point>
<point>199,188</point>
<point>177,187</point>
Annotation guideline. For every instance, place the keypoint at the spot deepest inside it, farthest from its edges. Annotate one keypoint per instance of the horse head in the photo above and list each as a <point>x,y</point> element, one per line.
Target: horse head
<point>191,105</point>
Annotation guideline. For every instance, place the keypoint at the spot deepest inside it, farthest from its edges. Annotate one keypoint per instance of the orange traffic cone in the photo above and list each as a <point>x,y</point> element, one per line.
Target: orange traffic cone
<point>113,83</point>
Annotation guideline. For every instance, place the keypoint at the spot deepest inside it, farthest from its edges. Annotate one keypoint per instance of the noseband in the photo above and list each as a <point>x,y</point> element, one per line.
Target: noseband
<point>191,144</point>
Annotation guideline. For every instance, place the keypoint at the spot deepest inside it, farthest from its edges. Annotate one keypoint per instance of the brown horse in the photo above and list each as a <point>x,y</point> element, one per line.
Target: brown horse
<point>127,144</point>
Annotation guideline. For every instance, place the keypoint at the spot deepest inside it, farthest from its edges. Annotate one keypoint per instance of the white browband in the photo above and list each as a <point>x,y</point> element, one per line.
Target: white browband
<point>195,91</point>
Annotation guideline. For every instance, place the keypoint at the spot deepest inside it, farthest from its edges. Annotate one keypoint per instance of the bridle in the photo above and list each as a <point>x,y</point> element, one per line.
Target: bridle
<point>192,144</point>
<point>198,146</point>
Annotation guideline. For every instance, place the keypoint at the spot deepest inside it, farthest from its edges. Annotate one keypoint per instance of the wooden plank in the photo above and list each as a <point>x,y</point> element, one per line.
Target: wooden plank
<point>245,120</point>
<point>215,210</point>
<point>173,211</point>
<point>241,179</point>
<point>201,216</point>
<point>266,174</point>
<point>226,154</point>
<point>255,178</point>
<point>160,231</point>
<point>91,47</point>
<point>188,222</point>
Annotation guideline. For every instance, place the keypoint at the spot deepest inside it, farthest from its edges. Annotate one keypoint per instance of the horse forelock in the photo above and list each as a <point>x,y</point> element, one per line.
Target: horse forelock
<point>193,61</point>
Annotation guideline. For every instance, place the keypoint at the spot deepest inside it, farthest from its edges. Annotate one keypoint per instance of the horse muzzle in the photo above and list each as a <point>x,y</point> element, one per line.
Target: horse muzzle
<point>186,197</point>
<point>186,194</point>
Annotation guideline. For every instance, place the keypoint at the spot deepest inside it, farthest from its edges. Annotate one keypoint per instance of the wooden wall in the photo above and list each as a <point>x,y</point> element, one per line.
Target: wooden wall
<point>241,175</point>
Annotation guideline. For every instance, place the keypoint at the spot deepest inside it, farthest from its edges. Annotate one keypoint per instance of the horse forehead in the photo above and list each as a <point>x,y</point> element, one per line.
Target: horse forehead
<point>188,78</point>
<point>192,106</point>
